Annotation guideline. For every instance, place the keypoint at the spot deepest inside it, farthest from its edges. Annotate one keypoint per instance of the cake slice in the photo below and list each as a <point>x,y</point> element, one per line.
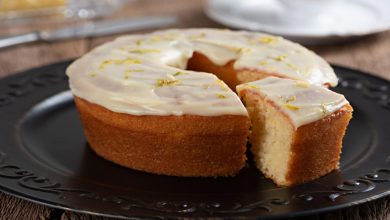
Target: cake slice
<point>297,128</point>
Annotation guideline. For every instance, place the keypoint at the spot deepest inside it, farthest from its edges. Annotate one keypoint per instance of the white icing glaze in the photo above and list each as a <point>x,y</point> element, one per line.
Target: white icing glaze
<point>144,74</point>
<point>302,102</point>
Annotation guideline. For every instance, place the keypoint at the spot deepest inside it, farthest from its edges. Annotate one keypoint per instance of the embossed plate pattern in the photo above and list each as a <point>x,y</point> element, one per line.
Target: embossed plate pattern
<point>44,158</point>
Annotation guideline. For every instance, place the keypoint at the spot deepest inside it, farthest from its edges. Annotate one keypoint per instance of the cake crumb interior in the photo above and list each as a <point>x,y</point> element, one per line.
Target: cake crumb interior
<point>270,137</point>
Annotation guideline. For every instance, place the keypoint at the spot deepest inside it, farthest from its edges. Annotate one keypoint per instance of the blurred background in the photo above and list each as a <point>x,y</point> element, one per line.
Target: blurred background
<point>344,32</point>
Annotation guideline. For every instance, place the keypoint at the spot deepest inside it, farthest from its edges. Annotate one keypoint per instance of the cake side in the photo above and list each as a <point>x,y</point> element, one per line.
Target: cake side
<point>170,145</point>
<point>316,147</point>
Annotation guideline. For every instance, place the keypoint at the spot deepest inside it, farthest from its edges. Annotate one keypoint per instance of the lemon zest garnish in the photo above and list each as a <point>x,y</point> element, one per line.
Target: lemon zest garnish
<point>135,70</point>
<point>268,40</point>
<point>287,100</point>
<point>292,66</point>
<point>253,86</point>
<point>119,62</point>
<point>302,84</point>
<point>178,73</point>
<point>128,72</point>
<point>139,42</point>
<point>291,107</point>
<point>221,96</point>
<point>166,82</point>
<point>222,85</point>
<point>142,51</point>
<point>245,50</point>
<point>105,63</point>
<point>217,82</point>
<point>263,62</point>
<point>324,110</point>
<point>291,99</point>
<point>92,74</point>
<point>127,61</point>
<point>279,58</point>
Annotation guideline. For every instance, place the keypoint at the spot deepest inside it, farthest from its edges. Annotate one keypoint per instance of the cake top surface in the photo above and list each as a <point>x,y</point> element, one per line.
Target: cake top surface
<point>145,74</point>
<point>302,102</point>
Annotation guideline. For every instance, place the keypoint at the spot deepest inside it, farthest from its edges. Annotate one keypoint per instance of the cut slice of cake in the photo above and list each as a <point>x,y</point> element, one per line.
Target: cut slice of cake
<point>297,128</point>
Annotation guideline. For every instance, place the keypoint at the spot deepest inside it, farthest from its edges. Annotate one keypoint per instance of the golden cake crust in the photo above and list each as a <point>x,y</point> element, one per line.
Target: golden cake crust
<point>317,146</point>
<point>186,145</point>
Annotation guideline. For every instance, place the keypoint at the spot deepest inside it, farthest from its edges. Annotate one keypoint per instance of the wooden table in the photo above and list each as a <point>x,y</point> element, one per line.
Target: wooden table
<point>371,54</point>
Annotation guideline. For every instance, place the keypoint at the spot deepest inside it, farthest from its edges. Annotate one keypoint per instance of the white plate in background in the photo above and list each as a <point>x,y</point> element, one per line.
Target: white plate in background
<point>339,21</point>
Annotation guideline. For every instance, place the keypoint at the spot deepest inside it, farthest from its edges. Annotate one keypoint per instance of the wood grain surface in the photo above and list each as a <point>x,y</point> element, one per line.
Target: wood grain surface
<point>370,54</point>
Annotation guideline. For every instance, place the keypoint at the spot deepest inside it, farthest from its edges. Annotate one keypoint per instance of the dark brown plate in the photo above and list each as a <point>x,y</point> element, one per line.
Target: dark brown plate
<point>44,158</point>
